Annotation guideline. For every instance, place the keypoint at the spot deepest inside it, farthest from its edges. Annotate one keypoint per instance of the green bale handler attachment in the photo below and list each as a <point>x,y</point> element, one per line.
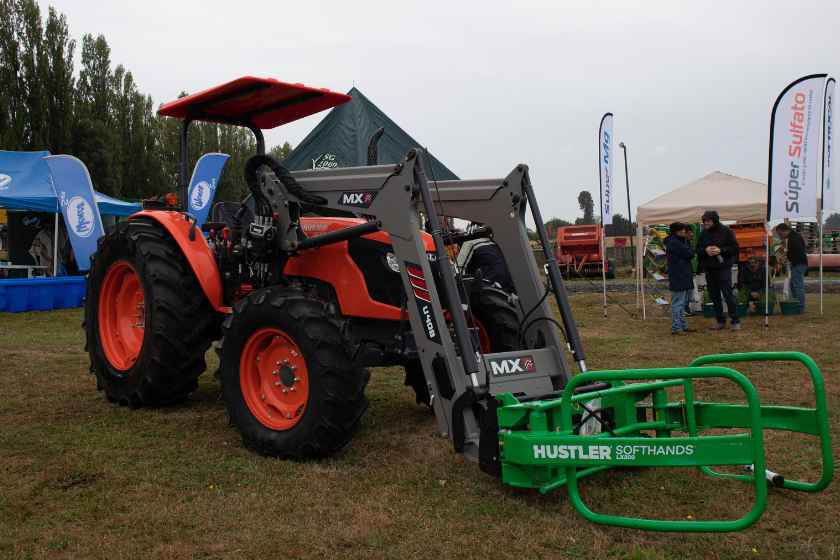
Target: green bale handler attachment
<point>543,444</point>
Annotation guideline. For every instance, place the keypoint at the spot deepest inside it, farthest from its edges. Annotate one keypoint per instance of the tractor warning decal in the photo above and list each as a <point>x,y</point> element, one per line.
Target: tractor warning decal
<point>361,199</point>
<point>423,299</point>
<point>512,366</point>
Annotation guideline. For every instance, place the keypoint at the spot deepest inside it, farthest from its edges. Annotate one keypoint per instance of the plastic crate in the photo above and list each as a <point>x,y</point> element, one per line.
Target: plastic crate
<point>759,308</point>
<point>741,310</point>
<point>41,294</point>
<point>790,307</point>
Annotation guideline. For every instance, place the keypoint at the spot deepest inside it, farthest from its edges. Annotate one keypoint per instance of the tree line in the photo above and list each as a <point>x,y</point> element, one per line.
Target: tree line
<point>98,114</point>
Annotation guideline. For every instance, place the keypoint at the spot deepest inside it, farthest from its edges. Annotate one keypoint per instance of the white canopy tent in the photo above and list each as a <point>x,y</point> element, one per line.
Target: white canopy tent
<point>734,198</point>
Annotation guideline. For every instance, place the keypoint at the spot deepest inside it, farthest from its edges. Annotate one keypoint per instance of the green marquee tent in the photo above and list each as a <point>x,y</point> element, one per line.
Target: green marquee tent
<point>342,139</point>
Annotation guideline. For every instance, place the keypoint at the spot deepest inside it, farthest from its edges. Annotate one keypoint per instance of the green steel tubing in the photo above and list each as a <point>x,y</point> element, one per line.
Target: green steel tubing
<point>539,447</point>
<point>811,421</point>
<point>740,449</point>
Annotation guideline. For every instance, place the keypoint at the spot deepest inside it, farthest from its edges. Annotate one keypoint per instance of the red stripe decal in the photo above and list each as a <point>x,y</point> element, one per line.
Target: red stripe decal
<point>415,271</point>
<point>419,293</point>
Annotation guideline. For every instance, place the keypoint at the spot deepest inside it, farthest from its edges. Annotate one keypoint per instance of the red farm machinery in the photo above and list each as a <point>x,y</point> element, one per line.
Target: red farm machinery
<point>579,251</point>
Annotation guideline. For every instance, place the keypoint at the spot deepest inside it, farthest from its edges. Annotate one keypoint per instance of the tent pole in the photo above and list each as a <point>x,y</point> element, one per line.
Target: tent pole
<point>604,262</point>
<point>820,229</point>
<point>627,183</point>
<point>642,245</point>
<point>55,247</point>
<point>636,271</point>
<point>766,275</point>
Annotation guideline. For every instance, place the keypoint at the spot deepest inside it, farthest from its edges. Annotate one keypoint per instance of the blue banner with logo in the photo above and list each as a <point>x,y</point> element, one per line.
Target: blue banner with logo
<point>605,167</point>
<point>205,178</point>
<point>74,191</point>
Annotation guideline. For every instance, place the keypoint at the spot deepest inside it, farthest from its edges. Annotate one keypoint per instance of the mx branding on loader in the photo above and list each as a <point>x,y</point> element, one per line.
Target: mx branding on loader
<point>303,296</point>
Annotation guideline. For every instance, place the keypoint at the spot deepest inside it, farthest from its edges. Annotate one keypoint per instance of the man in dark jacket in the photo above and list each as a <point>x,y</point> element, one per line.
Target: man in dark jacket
<point>797,255</point>
<point>680,276</point>
<point>752,278</point>
<point>718,250</point>
<point>487,258</point>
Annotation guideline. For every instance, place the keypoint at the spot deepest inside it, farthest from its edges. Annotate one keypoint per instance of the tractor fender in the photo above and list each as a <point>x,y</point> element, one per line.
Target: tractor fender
<point>197,252</point>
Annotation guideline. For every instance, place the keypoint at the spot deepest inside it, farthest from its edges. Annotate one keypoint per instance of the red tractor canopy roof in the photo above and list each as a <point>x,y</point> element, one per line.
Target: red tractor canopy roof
<point>260,102</point>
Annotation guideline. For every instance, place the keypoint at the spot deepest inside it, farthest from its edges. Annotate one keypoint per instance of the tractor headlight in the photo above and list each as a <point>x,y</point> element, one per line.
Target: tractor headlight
<point>393,263</point>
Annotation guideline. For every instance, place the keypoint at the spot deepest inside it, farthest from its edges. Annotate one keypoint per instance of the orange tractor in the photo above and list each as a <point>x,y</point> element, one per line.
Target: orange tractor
<point>302,296</point>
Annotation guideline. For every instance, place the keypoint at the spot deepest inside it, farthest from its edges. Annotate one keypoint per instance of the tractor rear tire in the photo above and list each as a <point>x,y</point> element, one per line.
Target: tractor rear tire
<point>288,380</point>
<point>147,322</point>
<point>497,318</point>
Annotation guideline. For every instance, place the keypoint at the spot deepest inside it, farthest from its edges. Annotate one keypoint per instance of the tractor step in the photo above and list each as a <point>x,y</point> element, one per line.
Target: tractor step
<point>542,445</point>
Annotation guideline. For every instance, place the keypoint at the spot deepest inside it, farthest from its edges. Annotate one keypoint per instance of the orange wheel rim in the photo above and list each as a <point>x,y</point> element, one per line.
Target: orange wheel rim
<point>274,379</point>
<point>483,337</point>
<point>122,316</point>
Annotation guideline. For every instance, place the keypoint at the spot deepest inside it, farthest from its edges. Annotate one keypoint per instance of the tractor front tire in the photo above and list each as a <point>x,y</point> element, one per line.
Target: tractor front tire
<point>147,321</point>
<point>288,380</point>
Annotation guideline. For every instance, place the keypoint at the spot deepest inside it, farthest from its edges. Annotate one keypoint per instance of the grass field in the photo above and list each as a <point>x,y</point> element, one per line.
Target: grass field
<point>82,478</point>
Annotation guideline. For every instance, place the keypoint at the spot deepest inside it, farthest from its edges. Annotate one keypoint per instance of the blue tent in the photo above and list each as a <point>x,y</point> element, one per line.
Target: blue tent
<point>25,184</point>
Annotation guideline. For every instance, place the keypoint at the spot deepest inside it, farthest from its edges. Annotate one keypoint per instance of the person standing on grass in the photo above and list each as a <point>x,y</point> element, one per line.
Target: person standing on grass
<point>797,256</point>
<point>680,277</point>
<point>718,251</point>
<point>690,239</point>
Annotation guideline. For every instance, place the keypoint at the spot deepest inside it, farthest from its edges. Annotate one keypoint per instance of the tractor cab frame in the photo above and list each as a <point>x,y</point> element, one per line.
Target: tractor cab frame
<point>250,102</point>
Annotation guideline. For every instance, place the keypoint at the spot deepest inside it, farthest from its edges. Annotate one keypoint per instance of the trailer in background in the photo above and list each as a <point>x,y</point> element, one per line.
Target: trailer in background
<point>579,251</point>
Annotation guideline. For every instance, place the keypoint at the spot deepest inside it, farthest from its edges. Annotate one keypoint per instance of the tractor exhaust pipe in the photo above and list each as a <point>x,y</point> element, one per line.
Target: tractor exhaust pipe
<point>373,147</point>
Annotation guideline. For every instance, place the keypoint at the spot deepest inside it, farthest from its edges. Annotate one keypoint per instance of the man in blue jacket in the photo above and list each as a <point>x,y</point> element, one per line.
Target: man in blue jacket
<point>679,253</point>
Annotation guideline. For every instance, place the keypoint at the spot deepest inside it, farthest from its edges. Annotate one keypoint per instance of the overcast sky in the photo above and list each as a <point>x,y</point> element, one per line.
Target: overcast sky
<point>485,85</point>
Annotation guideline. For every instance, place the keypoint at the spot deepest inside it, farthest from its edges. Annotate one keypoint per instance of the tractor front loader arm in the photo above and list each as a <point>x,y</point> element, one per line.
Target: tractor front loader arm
<point>393,196</point>
<point>403,201</point>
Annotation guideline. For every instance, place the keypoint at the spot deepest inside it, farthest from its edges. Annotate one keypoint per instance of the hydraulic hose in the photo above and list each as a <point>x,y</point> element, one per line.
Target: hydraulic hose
<point>264,207</point>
